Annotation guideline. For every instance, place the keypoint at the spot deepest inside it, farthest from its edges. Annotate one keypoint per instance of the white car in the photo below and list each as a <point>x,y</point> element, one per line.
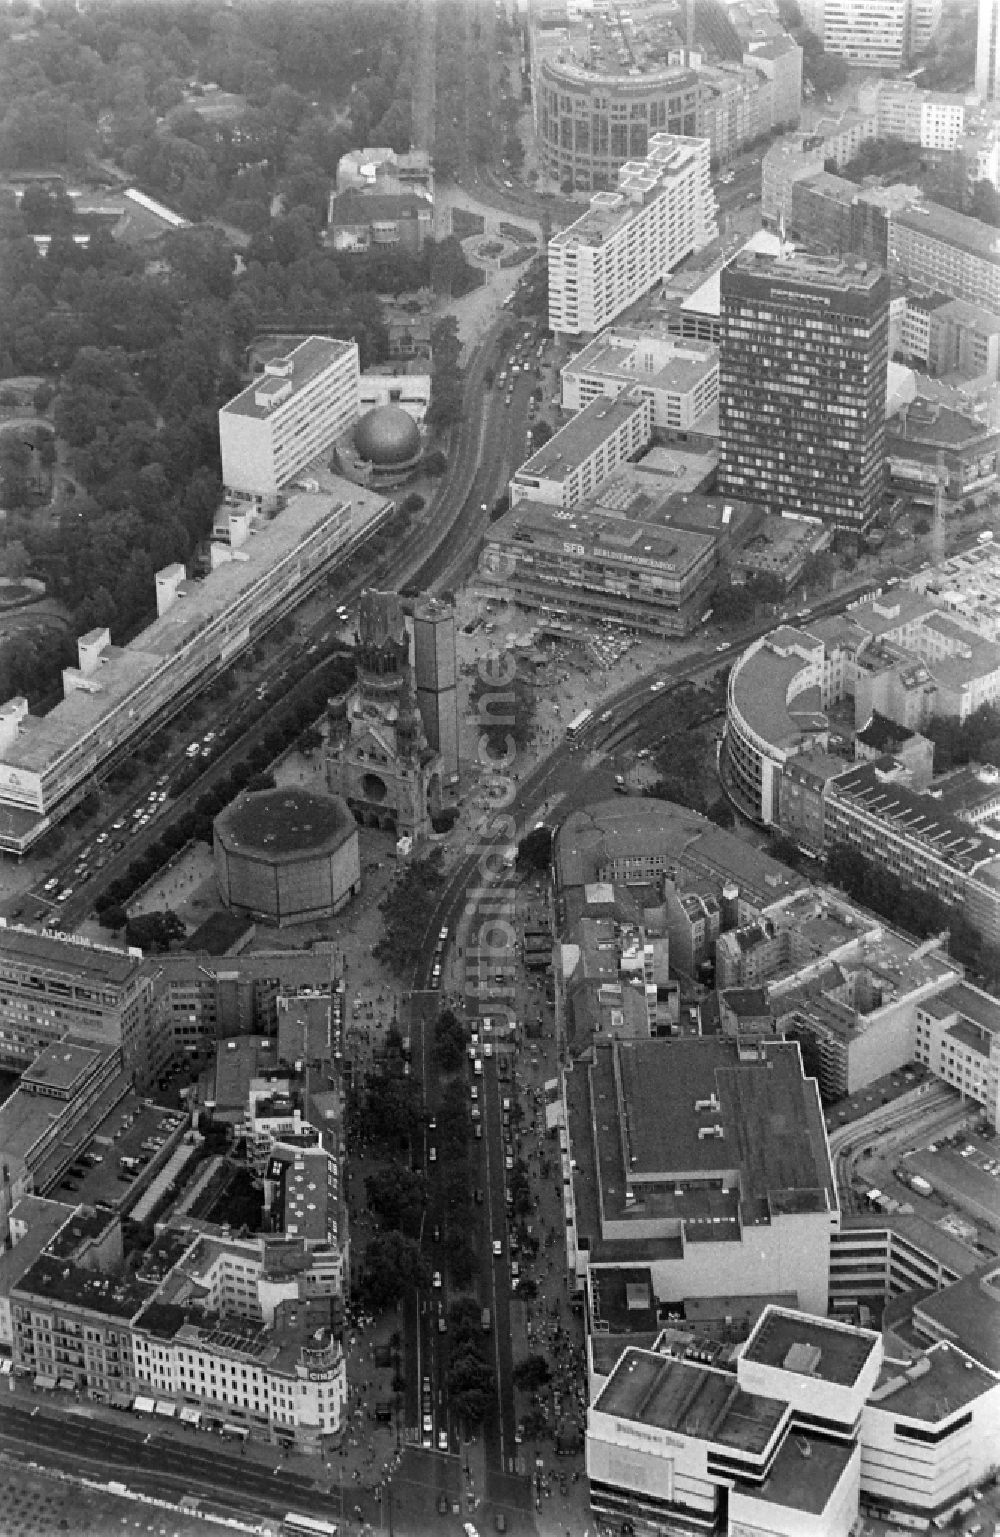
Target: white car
<point>436,1280</point>
<point>497,1247</point>
<point>442,1440</point>
<point>658,687</point>
<point>51,883</point>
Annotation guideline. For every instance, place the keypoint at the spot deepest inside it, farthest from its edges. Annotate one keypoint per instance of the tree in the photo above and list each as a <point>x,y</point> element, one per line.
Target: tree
<point>113,917</point>
<point>470,1385</point>
<point>541,432</point>
<point>393,1263</point>
<point>397,1197</point>
<point>449,1041</point>
<point>532,1373</point>
<point>535,849</point>
<point>404,910</point>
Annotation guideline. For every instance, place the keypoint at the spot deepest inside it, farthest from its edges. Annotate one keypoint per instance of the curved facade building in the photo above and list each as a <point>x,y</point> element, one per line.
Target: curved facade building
<point>286,856</point>
<point>774,711</point>
<point>588,123</point>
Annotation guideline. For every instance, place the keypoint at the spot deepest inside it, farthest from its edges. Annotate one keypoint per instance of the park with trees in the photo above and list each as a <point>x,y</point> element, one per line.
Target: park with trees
<point>136,356</point>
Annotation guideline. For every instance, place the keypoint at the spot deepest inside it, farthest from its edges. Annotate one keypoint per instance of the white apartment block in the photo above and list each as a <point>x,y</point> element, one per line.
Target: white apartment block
<point>571,465</point>
<point>663,210</point>
<point>287,417</point>
<point>680,377</point>
<point>932,119</point>
<point>871,32</point>
<point>957,1036</point>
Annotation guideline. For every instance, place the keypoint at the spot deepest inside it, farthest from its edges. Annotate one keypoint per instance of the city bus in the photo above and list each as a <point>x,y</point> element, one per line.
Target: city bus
<point>577,727</point>
<point>307,1526</point>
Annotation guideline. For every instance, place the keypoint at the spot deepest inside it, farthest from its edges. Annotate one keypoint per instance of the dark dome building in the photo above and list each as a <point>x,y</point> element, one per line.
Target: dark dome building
<point>388,440</point>
<point>286,856</point>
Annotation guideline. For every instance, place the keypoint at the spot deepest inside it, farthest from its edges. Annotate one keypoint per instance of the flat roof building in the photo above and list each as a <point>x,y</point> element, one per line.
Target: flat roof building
<point>946,252</point>
<point>633,554</point>
<point>663,210</point>
<point>802,385</point>
<point>293,412</point>
<point>681,377</point>
<point>261,567</point>
<point>573,463</point>
<point>679,1159</point>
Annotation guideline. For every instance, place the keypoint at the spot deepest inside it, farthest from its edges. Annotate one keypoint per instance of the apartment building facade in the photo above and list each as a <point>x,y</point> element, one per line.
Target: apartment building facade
<point>662,211</point>
<point>287,417</point>
<point>581,455</point>
<point>946,252</point>
<point>680,377</point>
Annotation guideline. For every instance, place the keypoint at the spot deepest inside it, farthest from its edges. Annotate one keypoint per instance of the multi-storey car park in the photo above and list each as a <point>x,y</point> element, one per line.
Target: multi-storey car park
<point>261,569</point>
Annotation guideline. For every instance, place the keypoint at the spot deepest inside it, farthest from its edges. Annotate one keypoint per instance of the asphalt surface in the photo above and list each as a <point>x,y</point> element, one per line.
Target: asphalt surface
<point>77,1444</point>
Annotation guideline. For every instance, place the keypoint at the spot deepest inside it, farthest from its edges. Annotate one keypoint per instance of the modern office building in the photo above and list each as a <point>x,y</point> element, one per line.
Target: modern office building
<point>882,34</point>
<point>946,252</point>
<point>286,418</point>
<point>702,1162</point>
<point>802,386</point>
<point>260,569</point>
<point>435,675</point>
<point>603,82</point>
<point>589,122</point>
<point>573,464</point>
<point>681,377</point>
<point>818,1422</point>
<point>66,1092</point>
<point>54,984</point>
<point>869,809</point>
<point>597,566</point>
<point>988,51</point>
<point>663,210</point>
<point>772,1447</point>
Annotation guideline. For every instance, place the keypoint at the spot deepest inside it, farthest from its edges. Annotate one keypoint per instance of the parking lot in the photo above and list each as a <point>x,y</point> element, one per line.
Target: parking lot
<point>134,1136</point>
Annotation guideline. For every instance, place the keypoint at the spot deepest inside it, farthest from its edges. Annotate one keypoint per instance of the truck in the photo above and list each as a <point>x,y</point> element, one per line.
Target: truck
<point>921,1186</point>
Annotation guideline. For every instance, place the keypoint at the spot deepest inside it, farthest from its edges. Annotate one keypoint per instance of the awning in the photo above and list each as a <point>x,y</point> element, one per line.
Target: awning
<point>191,1416</point>
<point>144,1405</point>
<point>121,1401</point>
<point>5,1366</point>
<point>165,1408</point>
<point>66,1384</point>
<point>240,1431</point>
<point>43,1380</point>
